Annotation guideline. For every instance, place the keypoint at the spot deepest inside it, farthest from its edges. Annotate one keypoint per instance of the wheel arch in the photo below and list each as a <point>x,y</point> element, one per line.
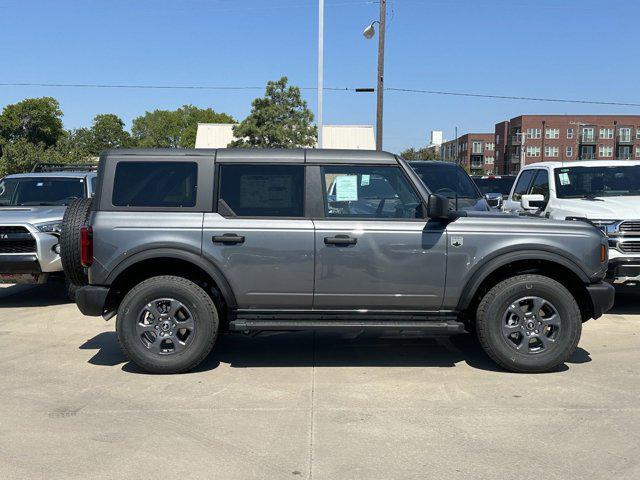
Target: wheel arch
<point>504,265</point>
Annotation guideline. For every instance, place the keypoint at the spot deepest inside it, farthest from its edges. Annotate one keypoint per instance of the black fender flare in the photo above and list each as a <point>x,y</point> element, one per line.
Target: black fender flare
<point>492,263</point>
<point>212,270</point>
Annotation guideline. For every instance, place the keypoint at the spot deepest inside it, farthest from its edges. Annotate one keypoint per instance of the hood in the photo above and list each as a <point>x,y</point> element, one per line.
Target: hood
<point>31,215</point>
<point>604,208</point>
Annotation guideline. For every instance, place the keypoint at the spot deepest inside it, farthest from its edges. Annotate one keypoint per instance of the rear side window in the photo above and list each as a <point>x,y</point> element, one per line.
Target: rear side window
<point>523,184</point>
<point>261,190</point>
<point>155,184</point>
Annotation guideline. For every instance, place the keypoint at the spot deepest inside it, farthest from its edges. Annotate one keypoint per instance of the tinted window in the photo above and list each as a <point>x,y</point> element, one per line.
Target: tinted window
<point>450,181</point>
<point>523,184</point>
<point>155,184</point>
<point>495,185</point>
<point>369,192</point>
<point>540,185</point>
<point>40,191</point>
<point>262,190</point>
<point>577,182</point>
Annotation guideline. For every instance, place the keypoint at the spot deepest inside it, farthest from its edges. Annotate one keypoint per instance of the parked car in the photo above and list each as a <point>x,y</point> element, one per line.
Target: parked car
<point>451,181</point>
<point>183,245</point>
<point>605,193</point>
<point>31,210</point>
<point>495,188</point>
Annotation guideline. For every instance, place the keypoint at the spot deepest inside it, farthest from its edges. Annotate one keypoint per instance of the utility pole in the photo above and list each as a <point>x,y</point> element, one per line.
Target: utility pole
<point>457,148</point>
<point>320,66</point>
<point>380,92</point>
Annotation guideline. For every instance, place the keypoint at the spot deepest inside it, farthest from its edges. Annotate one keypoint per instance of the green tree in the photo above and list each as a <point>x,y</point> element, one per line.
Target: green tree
<point>106,132</point>
<point>424,153</point>
<point>35,120</point>
<point>279,119</point>
<point>173,128</point>
<point>21,155</point>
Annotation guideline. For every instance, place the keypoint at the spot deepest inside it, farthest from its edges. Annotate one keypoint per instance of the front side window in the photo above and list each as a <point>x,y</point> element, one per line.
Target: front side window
<point>40,191</point>
<point>523,184</point>
<point>591,182</point>
<point>369,192</point>
<point>261,190</point>
<point>155,184</point>
<point>540,185</point>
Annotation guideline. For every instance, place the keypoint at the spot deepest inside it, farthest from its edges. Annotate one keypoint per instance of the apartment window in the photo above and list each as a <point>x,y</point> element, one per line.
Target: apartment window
<point>489,146</point>
<point>551,151</point>
<point>533,151</point>
<point>488,160</point>
<point>568,152</point>
<point>552,133</point>
<point>476,147</point>
<point>605,151</point>
<point>569,133</point>
<point>534,133</point>
<point>624,134</point>
<point>637,133</point>
<point>498,136</point>
<point>637,152</point>
<point>588,133</point>
<point>606,133</point>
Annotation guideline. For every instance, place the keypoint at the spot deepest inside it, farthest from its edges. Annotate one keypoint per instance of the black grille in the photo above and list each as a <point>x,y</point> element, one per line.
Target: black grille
<point>632,227</point>
<point>630,247</point>
<point>16,240</point>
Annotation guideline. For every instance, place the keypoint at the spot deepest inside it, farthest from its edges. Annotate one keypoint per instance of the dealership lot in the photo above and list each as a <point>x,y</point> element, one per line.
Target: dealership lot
<point>301,405</point>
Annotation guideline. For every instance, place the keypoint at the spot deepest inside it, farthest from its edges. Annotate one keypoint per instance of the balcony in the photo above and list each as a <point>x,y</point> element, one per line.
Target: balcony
<point>625,138</point>
<point>588,138</point>
<point>516,139</point>
<point>514,159</point>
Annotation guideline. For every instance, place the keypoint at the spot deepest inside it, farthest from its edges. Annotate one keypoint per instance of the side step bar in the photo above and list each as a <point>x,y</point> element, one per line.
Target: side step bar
<point>247,325</point>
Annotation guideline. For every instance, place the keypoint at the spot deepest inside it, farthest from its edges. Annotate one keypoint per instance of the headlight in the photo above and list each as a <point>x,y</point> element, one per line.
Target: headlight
<point>607,226</point>
<point>50,227</point>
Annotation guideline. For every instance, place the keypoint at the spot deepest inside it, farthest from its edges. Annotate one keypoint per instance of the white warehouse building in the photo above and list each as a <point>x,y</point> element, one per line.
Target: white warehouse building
<point>353,137</point>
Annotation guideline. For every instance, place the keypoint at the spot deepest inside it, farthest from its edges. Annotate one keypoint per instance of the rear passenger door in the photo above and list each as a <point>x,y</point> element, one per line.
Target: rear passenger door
<point>374,248</point>
<point>258,234</point>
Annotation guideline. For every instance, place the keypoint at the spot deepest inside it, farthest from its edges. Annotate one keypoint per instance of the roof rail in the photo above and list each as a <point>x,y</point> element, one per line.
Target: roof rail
<point>64,167</point>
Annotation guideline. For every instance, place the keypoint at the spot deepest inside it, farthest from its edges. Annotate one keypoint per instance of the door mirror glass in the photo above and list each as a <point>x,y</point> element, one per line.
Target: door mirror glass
<point>438,207</point>
<point>494,199</point>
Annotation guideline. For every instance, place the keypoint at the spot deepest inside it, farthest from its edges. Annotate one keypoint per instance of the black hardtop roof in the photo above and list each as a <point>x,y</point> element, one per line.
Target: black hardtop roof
<point>417,163</point>
<point>262,155</point>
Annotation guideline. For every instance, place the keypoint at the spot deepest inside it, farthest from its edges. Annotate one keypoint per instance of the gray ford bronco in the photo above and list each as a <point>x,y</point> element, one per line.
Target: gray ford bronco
<point>183,245</point>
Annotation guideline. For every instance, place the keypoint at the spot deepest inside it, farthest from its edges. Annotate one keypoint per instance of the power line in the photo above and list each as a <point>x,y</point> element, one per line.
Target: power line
<point>336,89</point>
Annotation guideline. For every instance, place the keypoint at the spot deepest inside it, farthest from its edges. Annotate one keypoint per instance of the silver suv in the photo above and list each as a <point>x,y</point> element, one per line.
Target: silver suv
<point>31,209</point>
<point>182,245</point>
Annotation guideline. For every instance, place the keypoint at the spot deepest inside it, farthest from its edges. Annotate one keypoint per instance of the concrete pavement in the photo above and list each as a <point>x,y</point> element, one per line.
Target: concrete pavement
<point>323,406</point>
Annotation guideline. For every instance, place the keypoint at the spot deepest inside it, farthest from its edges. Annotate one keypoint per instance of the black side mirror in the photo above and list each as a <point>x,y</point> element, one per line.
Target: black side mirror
<point>438,206</point>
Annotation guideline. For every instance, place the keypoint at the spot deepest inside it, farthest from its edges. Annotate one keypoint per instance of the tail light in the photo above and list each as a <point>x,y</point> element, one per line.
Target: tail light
<point>86,246</point>
<point>603,253</point>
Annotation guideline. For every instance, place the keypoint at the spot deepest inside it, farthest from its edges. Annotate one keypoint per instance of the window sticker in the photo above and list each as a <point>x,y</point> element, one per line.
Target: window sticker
<point>347,188</point>
<point>564,178</point>
<point>364,180</point>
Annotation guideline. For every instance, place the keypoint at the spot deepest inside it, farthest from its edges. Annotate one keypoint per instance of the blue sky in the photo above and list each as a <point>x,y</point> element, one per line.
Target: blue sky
<point>573,49</point>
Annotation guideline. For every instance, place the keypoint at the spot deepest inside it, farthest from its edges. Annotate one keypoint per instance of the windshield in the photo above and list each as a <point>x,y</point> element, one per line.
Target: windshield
<point>448,180</point>
<point>495,185</point>
<point>40,191</point>
<point>589,182</point>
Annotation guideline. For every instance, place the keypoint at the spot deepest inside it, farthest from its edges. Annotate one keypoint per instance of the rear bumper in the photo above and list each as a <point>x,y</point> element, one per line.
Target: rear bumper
<point>602,297</point>
<point>91,299</point>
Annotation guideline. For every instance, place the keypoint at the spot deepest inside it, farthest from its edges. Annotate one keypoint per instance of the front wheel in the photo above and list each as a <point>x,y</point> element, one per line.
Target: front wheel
<point>529,323</point>
<point>167,324</point>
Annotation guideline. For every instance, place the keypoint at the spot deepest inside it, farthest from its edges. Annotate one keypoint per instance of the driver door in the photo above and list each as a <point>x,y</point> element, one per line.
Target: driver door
<point>375,250</point>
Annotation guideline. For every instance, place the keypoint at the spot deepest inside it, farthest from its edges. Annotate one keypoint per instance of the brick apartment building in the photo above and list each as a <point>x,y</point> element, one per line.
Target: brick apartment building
<point>473,151</point>
<point>565,138</point>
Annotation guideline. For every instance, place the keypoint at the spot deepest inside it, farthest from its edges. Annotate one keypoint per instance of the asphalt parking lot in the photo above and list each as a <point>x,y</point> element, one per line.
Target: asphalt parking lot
<point>323,406</point>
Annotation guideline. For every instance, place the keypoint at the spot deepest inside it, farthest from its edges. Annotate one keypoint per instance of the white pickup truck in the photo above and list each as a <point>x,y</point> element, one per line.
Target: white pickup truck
<point>604,192</point>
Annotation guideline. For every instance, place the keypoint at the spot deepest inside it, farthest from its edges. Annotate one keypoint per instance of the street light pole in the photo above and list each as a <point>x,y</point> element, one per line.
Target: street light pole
<point>380,92</point>
<point>320,67</point>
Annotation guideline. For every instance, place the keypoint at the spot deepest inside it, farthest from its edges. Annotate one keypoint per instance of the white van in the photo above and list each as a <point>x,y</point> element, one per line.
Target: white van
<point>605,192</point>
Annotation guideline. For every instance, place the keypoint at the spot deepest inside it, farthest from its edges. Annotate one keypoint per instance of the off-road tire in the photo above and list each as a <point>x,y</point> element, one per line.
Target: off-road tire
<point>75,217</point>
<point>194,298</point>
<point>71,289</point>
<point>490,316</point>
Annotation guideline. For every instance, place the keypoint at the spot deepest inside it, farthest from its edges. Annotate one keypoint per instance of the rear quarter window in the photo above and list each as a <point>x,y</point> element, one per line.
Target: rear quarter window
<point>155,184</point>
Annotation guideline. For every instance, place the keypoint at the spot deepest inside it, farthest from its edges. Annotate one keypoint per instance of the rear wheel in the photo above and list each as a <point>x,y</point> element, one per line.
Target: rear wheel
<point>75,217</point>
<point>167,324</point>
<point>529,323</point>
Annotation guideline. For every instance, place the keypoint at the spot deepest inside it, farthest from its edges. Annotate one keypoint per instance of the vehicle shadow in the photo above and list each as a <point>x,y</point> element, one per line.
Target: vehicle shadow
<point>306,349</point>
<point>16,296</point>
<point>627,302</point>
